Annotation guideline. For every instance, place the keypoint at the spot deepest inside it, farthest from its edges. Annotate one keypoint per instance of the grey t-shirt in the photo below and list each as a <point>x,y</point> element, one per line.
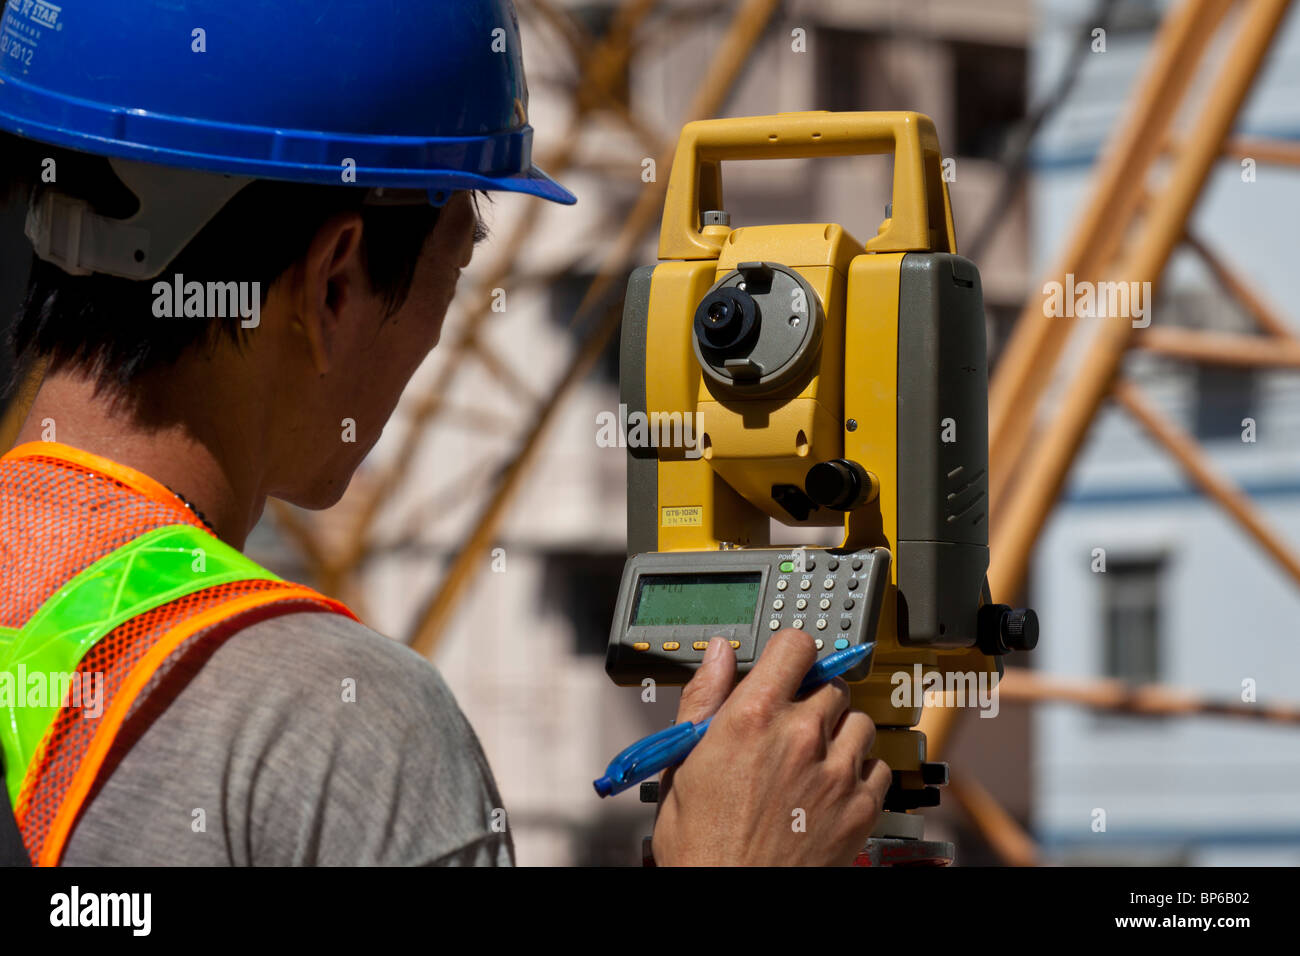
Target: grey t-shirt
<point>260,759</point>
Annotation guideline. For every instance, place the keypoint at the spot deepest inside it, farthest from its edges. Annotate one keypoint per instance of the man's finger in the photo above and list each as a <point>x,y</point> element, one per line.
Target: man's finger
<point>876,780</point>
<point>785,662</point>
<point>711,684</point>
<point>832,701</point>
<point>853,740</point>
<point>702,697</point>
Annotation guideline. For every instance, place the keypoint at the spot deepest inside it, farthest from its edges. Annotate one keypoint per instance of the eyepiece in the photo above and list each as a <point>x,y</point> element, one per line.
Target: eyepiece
<point>726,321</point>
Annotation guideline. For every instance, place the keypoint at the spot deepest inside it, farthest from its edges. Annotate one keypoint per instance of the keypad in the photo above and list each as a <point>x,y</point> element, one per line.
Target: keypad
<point>820,595</point>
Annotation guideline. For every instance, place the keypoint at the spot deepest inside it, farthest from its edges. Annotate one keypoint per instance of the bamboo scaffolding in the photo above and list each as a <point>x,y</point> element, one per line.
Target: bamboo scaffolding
<point>1037,340</point>
<point>1022,686</point>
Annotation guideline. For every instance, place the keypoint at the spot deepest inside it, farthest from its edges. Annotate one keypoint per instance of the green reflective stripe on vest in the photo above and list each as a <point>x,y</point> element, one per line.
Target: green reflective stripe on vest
<point>145,573</point>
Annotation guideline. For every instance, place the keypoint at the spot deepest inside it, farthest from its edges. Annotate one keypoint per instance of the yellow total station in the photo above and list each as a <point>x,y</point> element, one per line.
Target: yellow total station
<point>820,381</point>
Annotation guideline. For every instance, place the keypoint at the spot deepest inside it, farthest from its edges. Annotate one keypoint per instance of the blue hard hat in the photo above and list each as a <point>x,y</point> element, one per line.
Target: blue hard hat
<point>426,94</point>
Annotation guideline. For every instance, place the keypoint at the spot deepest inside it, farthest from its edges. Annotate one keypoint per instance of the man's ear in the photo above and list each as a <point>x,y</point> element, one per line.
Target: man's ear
<point>333,279</point>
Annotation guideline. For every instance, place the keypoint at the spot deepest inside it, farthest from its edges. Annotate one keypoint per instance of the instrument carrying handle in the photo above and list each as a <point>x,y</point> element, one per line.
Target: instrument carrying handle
<point>922,215</point>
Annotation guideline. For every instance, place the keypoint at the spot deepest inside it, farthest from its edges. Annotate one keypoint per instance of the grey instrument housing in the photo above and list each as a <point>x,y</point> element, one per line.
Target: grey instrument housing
<point>942,548</point>
<point>628,666</point>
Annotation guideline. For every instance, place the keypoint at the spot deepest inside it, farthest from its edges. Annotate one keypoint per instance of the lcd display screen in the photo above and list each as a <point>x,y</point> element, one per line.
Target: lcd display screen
<point>696,599</point>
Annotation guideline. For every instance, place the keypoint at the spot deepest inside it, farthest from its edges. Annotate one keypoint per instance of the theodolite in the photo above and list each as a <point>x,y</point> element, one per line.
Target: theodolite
<point>830,383</point>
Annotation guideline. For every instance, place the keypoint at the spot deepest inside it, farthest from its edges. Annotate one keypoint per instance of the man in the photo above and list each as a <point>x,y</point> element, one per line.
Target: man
<point>249,223</point>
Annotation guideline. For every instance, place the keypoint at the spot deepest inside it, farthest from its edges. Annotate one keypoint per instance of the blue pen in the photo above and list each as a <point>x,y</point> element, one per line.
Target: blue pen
<point>669,747</point>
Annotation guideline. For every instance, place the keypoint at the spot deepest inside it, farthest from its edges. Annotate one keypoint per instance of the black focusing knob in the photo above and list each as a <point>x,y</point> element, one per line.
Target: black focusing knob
<point>1020,629</point>
<point>1001,629</point>
<point>726,321</point>
<point>840,485</point>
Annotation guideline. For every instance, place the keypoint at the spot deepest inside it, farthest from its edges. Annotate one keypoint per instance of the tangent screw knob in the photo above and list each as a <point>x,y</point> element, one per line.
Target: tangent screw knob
<point>1020,629</point>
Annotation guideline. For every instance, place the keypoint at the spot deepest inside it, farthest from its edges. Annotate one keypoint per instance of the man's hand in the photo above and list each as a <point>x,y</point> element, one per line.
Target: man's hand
<point>775,781</point>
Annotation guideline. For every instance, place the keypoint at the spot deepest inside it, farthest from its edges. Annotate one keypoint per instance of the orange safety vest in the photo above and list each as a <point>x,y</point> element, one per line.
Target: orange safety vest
<point>69,522</point>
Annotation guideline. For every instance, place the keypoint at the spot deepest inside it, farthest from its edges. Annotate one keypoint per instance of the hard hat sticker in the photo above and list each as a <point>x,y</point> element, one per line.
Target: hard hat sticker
<point>24,23</point>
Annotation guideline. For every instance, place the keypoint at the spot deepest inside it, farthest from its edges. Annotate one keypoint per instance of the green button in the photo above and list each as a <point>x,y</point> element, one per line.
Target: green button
<point>787,567</point>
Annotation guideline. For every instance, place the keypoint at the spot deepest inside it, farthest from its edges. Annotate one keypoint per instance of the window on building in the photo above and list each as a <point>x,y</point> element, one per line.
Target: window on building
<point>610,840</point>
<point>566,294</point>
<point>1132,604</point>
<point>988,96</point>
<point>849,77</point>
<point>597,18</point>
<point>583,588</point>
<point>1224,396</point>
<point>1136,16</point>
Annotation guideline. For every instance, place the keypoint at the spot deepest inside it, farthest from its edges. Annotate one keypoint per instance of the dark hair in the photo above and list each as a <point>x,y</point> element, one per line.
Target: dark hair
<point>105,325</point>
